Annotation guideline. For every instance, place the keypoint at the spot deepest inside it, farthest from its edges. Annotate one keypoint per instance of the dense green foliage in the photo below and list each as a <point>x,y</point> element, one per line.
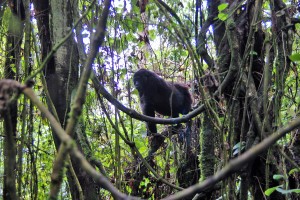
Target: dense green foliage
<point>240,60</point>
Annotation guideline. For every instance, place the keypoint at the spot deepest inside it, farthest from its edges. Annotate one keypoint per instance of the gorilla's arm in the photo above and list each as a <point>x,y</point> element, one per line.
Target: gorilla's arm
<point>149,110</point>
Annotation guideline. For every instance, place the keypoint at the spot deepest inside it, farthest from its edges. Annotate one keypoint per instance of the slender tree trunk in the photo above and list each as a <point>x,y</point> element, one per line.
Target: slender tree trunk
<point>14,40</point>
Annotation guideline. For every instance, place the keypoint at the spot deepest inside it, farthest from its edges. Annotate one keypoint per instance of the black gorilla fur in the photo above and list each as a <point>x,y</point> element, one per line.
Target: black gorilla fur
<point>156,94</point>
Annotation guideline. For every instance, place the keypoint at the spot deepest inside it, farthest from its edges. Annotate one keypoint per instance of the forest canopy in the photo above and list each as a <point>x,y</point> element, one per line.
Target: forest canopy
<point>149,99</point>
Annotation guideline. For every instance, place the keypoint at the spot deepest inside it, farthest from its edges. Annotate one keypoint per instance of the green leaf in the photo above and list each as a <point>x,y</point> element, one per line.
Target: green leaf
<point>222,16</point>
<point>135,92</point>
<point>236,146</point>
<point>278,176</point>
<point>283,191</point>
<point>222,6</point>
<point>143,149</point>
<point>269,191</point>
<point>297,27</point>
<point>152,34</point>
<point>295,57</point>
<point>291,111</point>
<point>236,152</point>
<point>253,53</point>
<point>239,146</point>
<point>293,171</point>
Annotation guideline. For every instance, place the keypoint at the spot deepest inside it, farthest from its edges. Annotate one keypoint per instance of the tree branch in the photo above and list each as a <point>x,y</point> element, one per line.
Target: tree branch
<point>238,162</point>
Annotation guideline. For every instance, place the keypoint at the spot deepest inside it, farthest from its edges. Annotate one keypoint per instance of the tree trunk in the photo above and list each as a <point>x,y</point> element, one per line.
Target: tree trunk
<point>61,74</point>
<point>13,47</point>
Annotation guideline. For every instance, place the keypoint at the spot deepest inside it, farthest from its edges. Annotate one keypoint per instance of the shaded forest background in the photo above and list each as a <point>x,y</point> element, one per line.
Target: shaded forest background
<point>71,124</point>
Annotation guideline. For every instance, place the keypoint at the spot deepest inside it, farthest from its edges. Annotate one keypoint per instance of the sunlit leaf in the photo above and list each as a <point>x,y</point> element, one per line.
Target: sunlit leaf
<point>293,171</point>
<point>278,176</point>
<point>222,6</point>
<point>269,191</point>
<point>152,34</point>
<point>295,57</point>
<point>291,111</point>
<point>222,16</point>
<point>143,149</point>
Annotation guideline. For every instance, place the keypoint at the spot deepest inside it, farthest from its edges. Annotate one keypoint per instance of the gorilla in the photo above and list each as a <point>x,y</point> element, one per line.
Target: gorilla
<point>158,95</point>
